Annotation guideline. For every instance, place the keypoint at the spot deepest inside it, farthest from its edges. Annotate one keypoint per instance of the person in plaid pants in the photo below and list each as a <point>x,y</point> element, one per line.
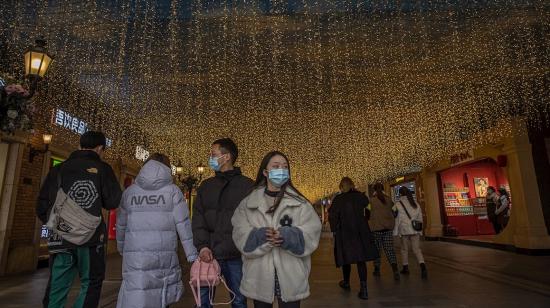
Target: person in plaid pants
<point>382,222</point>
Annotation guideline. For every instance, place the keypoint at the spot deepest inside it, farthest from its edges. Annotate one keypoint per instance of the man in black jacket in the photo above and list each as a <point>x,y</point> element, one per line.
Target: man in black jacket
<point>217,199</point>
<point>92,184</point>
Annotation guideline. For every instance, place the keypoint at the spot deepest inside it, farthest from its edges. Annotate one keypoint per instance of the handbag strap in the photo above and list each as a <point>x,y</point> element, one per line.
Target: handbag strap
<point>233,296</point>
<point>405,208</point>
<point>197,291</point>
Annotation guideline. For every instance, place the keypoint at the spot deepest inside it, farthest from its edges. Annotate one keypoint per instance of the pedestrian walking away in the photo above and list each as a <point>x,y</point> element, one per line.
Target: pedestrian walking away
<point>408,227</point>
<point>152,214</point>
<point>82,186</point>
<point>353,240</point>
<point>217,199</point>
<point>382,223</point>
<point>277,230</point>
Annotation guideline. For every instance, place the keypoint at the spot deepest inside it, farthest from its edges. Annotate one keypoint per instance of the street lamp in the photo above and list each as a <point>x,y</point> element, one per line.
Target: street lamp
<point>37,63</point>
<point>200,170</point>
<point>47,140</point>
<point>179,170</point>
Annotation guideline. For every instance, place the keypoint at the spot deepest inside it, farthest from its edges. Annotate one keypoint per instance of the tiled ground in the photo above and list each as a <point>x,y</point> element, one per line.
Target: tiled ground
<point>460,276</point>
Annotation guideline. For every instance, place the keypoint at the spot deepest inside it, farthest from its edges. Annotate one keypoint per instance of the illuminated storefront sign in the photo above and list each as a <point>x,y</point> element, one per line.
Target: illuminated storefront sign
<point>463,157</point>
<point>72,123</point>
<point>141,153</point>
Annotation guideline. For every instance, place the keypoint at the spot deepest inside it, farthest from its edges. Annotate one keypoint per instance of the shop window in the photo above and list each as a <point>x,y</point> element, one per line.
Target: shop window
<point>395,190</point>
<point>468,210</point>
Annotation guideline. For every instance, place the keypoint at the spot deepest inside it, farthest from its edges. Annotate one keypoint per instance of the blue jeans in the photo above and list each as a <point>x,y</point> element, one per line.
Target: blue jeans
<point>232,272</point>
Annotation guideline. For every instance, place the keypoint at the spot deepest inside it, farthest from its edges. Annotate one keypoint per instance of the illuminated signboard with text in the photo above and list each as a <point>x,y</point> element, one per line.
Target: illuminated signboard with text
<point>72,123</point>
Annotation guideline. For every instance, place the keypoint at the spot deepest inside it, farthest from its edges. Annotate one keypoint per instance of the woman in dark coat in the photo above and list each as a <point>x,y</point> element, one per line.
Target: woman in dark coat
<point>353,241</point>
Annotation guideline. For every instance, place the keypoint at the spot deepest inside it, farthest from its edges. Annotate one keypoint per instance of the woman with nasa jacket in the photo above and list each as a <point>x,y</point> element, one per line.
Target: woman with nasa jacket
<point>151,215</point>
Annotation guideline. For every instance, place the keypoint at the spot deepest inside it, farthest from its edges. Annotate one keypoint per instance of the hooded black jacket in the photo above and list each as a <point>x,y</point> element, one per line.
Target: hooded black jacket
<point>217,199</point>
<point>87,180</point>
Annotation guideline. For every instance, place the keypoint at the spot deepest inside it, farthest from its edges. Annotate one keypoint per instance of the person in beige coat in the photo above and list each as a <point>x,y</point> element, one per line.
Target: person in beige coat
<point>382,223</point>
<point>277,230</point>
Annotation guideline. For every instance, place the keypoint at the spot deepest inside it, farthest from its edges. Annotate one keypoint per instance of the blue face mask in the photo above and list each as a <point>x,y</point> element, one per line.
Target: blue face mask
<point>214,164</point>
<point>278,177</point>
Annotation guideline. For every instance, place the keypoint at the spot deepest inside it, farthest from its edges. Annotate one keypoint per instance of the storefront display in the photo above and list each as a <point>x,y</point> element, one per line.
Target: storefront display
<point>464,194</point>
<point>395,190</point>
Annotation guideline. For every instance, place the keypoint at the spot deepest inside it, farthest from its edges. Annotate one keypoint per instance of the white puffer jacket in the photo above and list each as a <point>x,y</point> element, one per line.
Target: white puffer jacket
<point>260,264</point>
<point>151,215</point>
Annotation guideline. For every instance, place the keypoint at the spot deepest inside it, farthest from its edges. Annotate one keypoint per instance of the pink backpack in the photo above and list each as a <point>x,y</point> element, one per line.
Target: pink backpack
<point>207,275</point>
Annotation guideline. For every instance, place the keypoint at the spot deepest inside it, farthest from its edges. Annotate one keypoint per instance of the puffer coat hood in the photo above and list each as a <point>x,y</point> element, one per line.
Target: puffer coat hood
<point>154,176</point>
<point>151,215</point>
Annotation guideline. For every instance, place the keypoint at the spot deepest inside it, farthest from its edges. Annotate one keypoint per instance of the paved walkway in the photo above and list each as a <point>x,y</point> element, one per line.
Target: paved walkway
<point>459,276</point>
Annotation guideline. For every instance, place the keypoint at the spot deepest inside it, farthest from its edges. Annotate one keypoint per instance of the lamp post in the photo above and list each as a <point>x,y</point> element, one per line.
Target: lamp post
<point>200,170</point>
<point>47,140</point>
<point>37,63</point>
<point>188,181</point>
<point>179,170</point>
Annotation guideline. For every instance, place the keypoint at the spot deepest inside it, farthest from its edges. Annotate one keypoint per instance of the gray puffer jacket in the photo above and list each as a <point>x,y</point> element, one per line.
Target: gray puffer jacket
<point>151,215</point>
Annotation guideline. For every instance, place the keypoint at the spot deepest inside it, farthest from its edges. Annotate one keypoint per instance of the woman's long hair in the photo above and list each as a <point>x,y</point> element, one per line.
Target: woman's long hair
<point>261,181</point>
<point>379,189</point>
<point>404,191</point>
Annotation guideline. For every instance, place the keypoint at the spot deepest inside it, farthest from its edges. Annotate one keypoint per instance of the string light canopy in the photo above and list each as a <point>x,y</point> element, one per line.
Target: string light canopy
<point>366,89</point>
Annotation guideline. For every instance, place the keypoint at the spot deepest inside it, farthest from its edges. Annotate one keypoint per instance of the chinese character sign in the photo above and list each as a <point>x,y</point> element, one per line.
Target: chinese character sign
<point>45,232</point>
<point>72,123</point>
<point>141,153</point>
<point>461,157</point>
<point>59,117</point>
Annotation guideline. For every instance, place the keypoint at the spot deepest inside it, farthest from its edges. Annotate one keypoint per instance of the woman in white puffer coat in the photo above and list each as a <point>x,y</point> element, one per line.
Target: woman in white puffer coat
<point>277,230</point>
<point>151,215</point>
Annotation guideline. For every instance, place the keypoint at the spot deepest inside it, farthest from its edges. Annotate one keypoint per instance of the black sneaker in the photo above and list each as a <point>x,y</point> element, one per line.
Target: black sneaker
<point>424,270</point>
<point>363,293</point>
<point>344,285</point>
<point>395,270</point>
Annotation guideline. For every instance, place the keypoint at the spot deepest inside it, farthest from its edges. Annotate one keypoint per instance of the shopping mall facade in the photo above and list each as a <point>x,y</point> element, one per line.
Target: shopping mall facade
<point>448,191</point>
<point>452,192</point>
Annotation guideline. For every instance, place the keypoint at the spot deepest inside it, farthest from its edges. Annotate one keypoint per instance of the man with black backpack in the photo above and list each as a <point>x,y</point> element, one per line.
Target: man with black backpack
<point>70,203</point>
